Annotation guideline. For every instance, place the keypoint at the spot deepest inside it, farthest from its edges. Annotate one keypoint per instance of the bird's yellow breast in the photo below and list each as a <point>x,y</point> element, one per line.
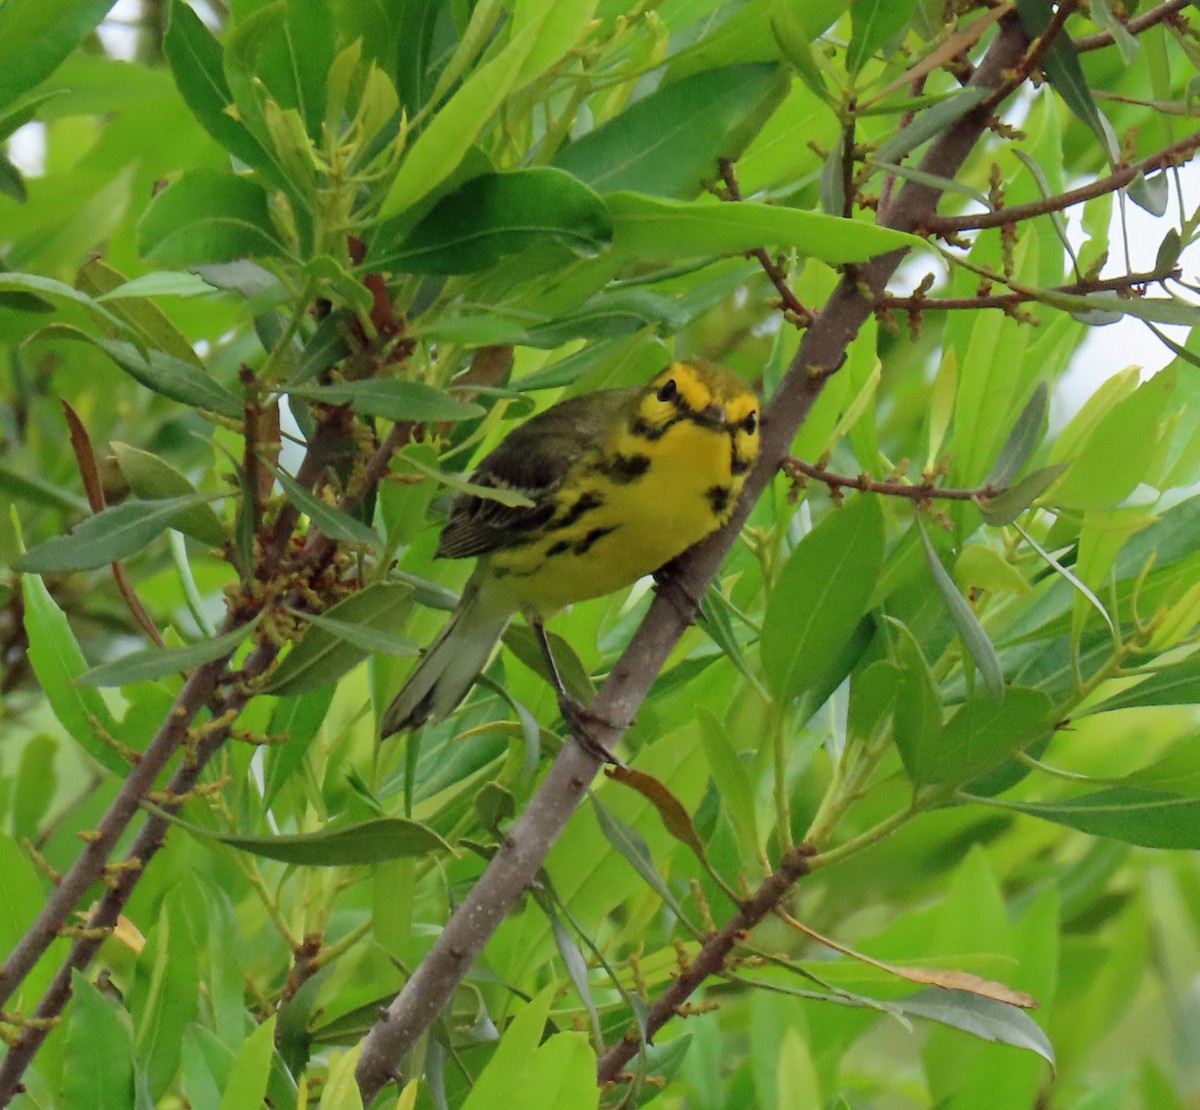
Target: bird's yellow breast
<point>625,510</point>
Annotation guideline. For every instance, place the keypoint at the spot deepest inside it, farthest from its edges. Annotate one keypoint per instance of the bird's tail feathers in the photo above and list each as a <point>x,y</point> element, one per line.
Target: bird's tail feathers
<point>451,665</point>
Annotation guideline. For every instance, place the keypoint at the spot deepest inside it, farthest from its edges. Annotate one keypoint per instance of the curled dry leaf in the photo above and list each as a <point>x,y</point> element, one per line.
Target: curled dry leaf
<point>677,820</point>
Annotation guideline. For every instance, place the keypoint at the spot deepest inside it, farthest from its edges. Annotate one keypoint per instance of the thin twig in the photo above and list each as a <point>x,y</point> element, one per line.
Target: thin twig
<point>709,960</point>
<point>1134,26</point>
<point>799,314</point>
<point>1122,284</point>
<point>922,493</point>
<point>1174,155</point>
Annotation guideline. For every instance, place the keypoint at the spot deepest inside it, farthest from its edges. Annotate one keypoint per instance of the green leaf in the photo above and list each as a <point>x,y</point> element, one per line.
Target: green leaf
<point>197,63</point>
<point>929,124</point>
<point>630,844</point>
<point>321,657</point>
<point>873,23</point>
<point>365,842</point>
<point>36,37</point>
<point>452,131</point>
<point>498,214</point>
<point>21,893</point>
<point>979,1016</point>
<point>918,707</point>
<point>332,521</point>
<point>152,663</point>
<point>969,628</point>
<point>517,1045</point>
<point>667,144</point>
<point>165,993</point>
<point>57,661</point>
<point>107,536</point>
<point>652,229</point>
<point>152,478</point>
<point>1126,43</point>
<point>208,216</point>
<point>821,595</point>
<point>12,184</point>
<point>1023,439</point>
<point>1128,431</point>
<point>247,1085</point>
<point>1014,501</point>
<point>369,639</point>
<point>982,734</point>
<point>158,371</point>
<point>392,399</point>
<point>1176,684</point>
<point>1133,814</point>
<point>98,1071</point>
<point>1065,74</point>
<point>732,780</point>
<point>35,786</point>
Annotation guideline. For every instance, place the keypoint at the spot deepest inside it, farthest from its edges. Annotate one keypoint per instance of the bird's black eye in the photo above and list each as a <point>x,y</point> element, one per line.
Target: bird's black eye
<point>751,423</point>
<point>668,391</point>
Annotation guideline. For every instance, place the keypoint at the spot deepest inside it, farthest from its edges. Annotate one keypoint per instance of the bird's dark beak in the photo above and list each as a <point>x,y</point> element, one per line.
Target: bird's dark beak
<point>713,416</point>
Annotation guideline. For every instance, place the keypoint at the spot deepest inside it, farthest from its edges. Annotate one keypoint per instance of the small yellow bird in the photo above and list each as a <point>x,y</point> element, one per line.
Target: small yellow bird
<point>622,481</point>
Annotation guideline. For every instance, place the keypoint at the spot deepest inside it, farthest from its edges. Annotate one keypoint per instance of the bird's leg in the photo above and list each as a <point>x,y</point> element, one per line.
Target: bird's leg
<point>668,583</point>
<point>578,716</point>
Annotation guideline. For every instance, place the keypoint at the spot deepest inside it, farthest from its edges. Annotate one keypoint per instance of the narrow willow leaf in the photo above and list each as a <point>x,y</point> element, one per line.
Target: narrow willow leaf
<point>576,966</point>
<point>361,636</point>
<point>873,23</point>
<point>35,38</point>
<point>392,399</point>
<point>208,216</point>
<point>675,818</point>
<point>1056,217</point>
<point>1009,505</point>
<point>629,843</point>
<point>113,534</point>
<point>322,657</point>
<point>969,628</point>
<point>667,144</point>
<point>1133,814</point>
<point>57,662</point>
<point>459,484</point>
<point>1151,193</point>
<point>981,1017</point>
<point>382,838</point>
<point>158,371</point>
<point>152,478</point>
<point>97,1063</point>
<point>250,1070</point>
<point>650,228</point>
<point>143,666</point>
<point>499,214</point>
<point>1076,582</point>
<point>1023,439</point>
<point>821,595</point>
<point>981,735</point>
<point>1177,684</point>
<point>1126,43</point>
<point>737,791</point>
<point>333,522</point>
<point>930,123</point>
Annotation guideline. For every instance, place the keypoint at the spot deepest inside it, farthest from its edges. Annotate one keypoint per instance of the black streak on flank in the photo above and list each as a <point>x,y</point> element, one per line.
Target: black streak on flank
<point>643,429</point>
<point>584,504</point>
<point>585,544</point>
<point>738,466</point>
<point>718,498</point>
<point>624,469</point>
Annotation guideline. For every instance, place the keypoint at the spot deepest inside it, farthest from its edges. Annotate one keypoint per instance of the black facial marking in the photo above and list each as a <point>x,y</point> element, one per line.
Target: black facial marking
<point>668,391</point>
<point>583,546</point>
<point>718,498</point>
<point>624,469</point>
<point>738,466</point>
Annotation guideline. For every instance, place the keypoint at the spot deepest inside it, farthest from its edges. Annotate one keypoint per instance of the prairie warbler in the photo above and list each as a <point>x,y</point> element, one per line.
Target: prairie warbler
<point>621,482</point>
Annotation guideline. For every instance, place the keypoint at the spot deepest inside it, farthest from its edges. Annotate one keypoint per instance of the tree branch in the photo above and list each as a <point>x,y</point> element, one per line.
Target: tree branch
<point>709,960</point>
<point>1134,26</point>
<point>922,493</point>
<point>1174,155</point>
<point>821,352</point>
